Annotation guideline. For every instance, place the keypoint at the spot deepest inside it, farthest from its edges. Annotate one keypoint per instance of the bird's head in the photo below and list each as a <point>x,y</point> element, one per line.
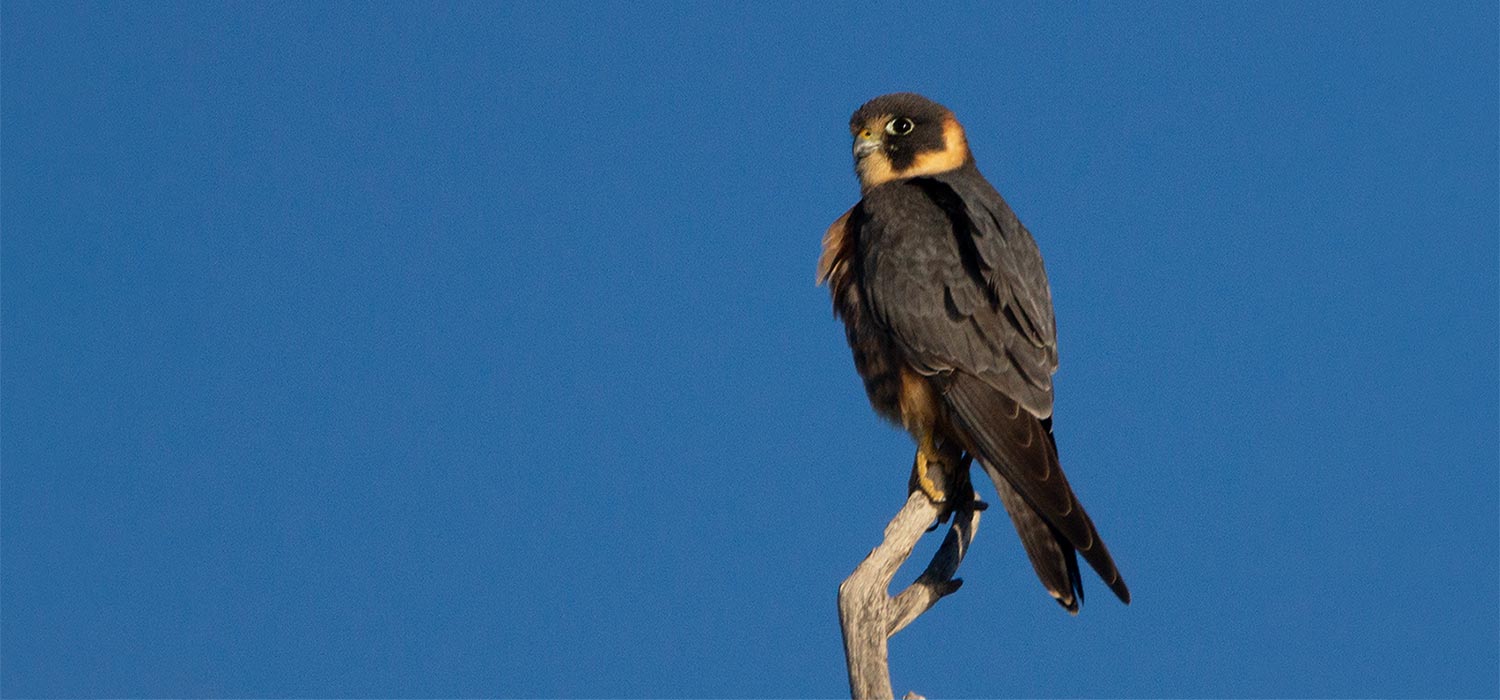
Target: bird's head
<point>904,135</point>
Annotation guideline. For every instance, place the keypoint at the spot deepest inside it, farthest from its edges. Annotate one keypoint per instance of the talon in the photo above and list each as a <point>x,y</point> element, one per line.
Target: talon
<point>921,478</point>
<point>964,497</point>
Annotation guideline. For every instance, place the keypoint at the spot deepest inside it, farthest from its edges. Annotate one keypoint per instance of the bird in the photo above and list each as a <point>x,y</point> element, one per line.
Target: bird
<point>947,310</point>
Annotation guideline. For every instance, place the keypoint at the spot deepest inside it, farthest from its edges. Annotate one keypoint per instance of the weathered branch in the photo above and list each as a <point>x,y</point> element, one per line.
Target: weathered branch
<point>867,612</point>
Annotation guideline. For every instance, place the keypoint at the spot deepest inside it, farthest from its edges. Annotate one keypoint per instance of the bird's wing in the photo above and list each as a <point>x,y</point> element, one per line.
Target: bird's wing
<point>1011,264</point>
<point>965,295</point>
<point>972,295</point>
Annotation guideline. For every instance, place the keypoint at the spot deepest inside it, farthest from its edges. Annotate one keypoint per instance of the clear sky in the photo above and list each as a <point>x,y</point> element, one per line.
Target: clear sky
<point>405,349</point>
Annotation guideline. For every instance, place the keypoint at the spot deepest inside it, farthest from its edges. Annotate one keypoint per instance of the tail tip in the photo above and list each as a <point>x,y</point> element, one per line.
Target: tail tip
<point>1068,602</point>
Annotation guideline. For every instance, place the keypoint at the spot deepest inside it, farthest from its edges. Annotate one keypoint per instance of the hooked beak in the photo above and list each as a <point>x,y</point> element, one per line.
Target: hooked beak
<point>865,143</point>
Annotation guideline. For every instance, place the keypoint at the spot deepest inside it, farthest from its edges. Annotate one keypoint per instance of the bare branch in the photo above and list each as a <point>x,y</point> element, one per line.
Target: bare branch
<point>867,612</point>
<point>937,580</point>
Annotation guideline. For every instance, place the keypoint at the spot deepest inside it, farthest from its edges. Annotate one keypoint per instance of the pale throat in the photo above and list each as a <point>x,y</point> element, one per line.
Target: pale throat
<point>875,169</point>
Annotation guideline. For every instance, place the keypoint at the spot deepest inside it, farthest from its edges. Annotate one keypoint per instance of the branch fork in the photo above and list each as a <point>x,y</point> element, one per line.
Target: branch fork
<point>869,615</point>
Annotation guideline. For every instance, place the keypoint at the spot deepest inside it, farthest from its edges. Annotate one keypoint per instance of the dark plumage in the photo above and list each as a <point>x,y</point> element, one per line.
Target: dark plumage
<point>946,307</point>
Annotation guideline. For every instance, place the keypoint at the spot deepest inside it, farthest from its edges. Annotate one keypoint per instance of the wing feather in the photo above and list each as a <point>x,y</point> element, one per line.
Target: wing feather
<point>967,290</point>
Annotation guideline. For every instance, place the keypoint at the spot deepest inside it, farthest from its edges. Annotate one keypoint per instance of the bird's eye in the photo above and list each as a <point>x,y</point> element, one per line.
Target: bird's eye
<point>900,126</point>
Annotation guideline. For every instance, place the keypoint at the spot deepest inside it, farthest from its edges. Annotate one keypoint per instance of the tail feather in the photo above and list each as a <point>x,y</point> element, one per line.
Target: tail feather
<point>1017,451</point>
<point>1051,555</point>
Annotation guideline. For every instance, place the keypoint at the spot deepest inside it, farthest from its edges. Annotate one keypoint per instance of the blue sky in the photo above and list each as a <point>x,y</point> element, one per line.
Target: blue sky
<point>473,350</point>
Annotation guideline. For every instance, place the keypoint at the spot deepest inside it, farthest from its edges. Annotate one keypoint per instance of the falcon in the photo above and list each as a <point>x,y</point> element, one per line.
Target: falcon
<point>946,307</point>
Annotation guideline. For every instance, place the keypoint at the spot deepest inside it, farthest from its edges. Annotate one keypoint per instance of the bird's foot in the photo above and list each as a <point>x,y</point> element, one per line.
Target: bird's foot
<point>946,483</point>
<point>965,500</point>
<point>926,475</point>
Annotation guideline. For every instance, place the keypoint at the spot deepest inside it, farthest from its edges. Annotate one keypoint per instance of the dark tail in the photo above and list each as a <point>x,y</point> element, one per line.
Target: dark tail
<point>1017,451</point>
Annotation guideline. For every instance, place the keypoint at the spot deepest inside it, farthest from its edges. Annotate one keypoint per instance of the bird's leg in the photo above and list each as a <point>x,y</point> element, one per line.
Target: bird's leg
<point>929,470</point>
<point>945,470</point>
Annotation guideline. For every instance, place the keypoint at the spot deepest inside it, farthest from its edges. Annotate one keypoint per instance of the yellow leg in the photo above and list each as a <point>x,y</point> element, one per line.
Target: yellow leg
<point>929,472</point>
